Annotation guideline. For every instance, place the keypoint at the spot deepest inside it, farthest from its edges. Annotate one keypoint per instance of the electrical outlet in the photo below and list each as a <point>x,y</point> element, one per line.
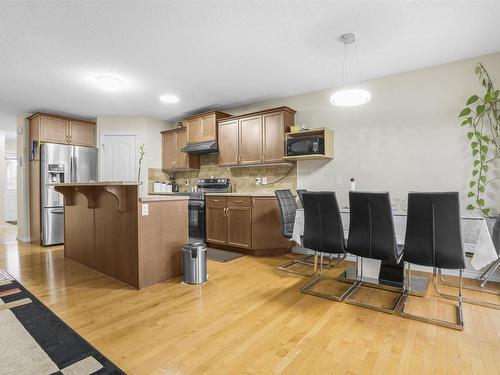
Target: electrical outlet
<point>263,180</point>
<point>145,209</point>
<point>257,181</point>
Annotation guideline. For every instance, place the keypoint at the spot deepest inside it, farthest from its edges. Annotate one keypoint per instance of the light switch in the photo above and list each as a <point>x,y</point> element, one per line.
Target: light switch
<point>145,209</point>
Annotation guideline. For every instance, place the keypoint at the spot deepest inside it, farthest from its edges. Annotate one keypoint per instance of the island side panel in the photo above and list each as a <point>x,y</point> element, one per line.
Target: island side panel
<point>116,235</point>
<point>79,232</point>
<point>162,234</point>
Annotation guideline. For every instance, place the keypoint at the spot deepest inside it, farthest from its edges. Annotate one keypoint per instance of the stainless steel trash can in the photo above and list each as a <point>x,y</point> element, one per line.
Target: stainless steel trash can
<point>195,263</point>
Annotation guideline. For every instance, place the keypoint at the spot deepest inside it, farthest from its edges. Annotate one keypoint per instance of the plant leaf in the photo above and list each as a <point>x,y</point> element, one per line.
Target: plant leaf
<point>476,162</point>
<point>465,112</point>
<point>472,183</point>
<point>470,194</point>
<point>469,134</point>
<point>483,178</point>
<point>480,202</point>
<point>472,99</point>
<point>474,144</point>
<point>486,211</point>
<point>470,207</point>
<point>475,172</point>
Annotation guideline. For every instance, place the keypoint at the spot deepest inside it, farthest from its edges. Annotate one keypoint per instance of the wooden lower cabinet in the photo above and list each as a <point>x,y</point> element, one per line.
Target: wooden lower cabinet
<point>247,224</point>
<point>239,224</point>
<point>216,224</point>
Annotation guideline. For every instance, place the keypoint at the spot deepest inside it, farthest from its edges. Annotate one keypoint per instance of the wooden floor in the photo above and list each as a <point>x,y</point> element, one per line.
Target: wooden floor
<point>248,319</point>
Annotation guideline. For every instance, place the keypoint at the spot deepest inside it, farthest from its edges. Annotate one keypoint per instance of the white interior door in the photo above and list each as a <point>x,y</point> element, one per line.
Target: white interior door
<point>10,187</point>
<point>118,157</point>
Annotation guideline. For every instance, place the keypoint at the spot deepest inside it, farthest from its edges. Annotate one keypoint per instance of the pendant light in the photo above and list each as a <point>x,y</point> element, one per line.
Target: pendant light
<point>354,96</point>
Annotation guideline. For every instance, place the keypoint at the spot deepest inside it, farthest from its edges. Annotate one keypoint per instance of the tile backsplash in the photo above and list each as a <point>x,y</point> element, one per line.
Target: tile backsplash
<point>242,178</point>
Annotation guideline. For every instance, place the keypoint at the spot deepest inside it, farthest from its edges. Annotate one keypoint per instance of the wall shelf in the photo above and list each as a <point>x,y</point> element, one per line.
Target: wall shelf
<point>327,135</point>
<point>309,157</point>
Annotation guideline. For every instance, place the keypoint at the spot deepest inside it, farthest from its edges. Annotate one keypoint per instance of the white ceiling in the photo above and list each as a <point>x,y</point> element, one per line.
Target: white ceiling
<point>218,54</point>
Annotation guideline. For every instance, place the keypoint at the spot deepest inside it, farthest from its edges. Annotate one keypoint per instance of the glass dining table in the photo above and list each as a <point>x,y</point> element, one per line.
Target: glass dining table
<point>478,245</point>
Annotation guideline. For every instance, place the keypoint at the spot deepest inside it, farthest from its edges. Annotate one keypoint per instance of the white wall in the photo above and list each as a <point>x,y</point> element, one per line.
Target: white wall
<point>407,138</point>
<point>11,145</point>
<point>23,213</point>
<point>148,130</point>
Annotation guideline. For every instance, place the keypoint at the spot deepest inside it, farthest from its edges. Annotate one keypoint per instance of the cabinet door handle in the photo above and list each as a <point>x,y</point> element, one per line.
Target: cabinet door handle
<point>215,200</point>
<point>238,201</point>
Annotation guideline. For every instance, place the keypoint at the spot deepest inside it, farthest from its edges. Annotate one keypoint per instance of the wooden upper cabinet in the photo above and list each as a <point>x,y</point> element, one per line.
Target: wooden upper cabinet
<point>169,150</point>
<point>182,157</point>
<point>57,129</point>
<point>228,142</point>
<point>260,138</point>
<point>54,129</point>
<point>273,137</point>
<point>82,133</point>
<point>194,133</point>
<point>209,128</point>
<point>203,127</point>
<point>173,141</point>
<point>250,140</point>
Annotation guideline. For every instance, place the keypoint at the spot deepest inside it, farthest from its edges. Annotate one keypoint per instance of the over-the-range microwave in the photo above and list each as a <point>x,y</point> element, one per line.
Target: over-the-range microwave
<point>311,145</point>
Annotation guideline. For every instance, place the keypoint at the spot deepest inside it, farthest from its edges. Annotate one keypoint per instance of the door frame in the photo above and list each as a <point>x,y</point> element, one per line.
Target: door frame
<point>104,133</point>
<point>10,156</point>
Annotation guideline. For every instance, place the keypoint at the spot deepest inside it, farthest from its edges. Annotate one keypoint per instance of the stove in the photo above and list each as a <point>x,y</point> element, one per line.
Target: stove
<point>196,204</point>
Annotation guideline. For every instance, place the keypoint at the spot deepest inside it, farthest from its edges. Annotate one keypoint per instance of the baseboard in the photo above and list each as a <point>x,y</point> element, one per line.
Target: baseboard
<point>469,272</point>
<point>23,239</point>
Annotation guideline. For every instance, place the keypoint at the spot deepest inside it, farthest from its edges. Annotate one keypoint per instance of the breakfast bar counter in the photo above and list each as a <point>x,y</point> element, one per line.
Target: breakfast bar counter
<point>110,228</point>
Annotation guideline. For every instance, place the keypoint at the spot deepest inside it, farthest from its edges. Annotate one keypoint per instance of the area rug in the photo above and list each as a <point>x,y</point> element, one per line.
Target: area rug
<point>33,340</point>
<point>222,256</point>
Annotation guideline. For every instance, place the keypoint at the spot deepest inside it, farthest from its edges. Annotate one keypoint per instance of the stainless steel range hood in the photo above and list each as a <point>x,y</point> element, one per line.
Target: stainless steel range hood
<point>209,147</point>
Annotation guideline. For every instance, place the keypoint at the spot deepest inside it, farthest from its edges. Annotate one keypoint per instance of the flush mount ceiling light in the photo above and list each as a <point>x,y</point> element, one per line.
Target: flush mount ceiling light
<point>349,97</point>
<point>169,99</point>
<point>109,83</point>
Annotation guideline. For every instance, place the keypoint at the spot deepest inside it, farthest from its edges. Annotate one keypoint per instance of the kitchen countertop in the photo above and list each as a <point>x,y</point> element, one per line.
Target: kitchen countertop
<point>97,183</point>
<point>149,198</point>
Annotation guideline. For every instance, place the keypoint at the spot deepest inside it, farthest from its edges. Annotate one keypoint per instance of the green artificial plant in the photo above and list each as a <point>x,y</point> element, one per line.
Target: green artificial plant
<point>482,117</point>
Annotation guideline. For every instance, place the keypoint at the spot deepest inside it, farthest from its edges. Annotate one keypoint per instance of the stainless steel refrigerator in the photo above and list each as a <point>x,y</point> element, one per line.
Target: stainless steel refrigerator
<point>61,163</point>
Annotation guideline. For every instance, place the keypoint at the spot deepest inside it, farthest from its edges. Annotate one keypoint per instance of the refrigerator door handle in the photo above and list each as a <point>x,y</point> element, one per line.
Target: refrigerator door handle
<point>75,172</point>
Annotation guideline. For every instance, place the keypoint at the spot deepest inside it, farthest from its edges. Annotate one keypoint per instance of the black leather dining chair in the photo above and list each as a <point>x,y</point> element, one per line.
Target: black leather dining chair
<point>372,236</point>
<point>434,239</point>
<point>324,234</point>
<point>288,208</point>
<point>299,193</point>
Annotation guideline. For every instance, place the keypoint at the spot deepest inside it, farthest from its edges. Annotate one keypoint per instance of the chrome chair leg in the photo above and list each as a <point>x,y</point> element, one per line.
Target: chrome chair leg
<point>359,283</point>
<point>307,289</point>
<point>285,266</point>
<point>473,301</point>
<point>444,323</point>
<point>485,277</point>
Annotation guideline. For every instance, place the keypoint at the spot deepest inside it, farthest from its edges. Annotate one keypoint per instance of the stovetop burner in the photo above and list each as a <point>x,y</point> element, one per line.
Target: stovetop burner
<point>208,185</point>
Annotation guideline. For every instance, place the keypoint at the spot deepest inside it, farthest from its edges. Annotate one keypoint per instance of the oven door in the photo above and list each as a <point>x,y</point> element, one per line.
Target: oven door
<point>196,220</point>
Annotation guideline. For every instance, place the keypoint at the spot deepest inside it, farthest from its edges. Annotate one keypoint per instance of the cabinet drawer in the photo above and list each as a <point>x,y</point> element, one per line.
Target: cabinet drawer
<point>239,201</point>
<point>216,201</point>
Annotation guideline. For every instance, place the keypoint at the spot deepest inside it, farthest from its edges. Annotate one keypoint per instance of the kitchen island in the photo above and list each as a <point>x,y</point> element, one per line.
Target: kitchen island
<point>110,228</point>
